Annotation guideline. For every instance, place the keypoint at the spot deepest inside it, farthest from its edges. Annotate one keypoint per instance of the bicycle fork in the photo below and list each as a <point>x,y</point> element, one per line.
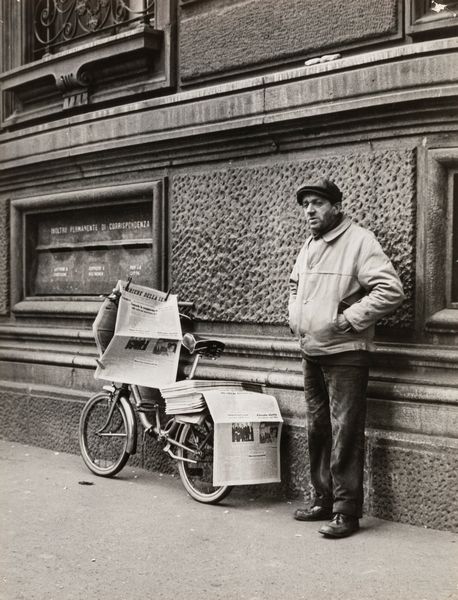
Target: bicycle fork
<point>121,396</point>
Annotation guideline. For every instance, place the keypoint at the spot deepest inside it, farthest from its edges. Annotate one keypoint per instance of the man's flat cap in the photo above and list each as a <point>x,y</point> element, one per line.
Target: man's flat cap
<point>323,187</point>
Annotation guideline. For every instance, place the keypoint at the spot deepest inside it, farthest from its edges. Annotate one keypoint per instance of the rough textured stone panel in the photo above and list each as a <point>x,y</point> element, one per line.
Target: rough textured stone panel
<point>53,423</point>
<point>414,485</point>
<point>14,416</point>
<point>295,463</point>
<point>224,35</point>
<point>236,231</point>
<point>4,257</point>
<point>40,420</point>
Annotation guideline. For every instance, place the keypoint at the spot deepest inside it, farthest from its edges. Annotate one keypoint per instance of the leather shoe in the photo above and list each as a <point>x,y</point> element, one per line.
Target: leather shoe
<point>340,526</point>
<point>316,513</point>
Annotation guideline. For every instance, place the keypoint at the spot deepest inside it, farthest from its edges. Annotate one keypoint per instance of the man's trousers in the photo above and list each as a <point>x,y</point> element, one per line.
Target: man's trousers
<point>335,396</point>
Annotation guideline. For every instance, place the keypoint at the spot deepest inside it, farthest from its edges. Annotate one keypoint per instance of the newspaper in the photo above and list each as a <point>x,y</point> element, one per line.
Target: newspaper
<point>247,437</point>
<point>146,342</point>
<point>188,395</point>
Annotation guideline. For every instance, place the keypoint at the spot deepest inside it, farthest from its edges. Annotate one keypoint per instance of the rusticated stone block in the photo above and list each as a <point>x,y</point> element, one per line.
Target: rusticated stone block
<point>4,257</point>
<point>53,423</point>
<point>44,421</point>
<point>224,35</point>
<point>237,231</point>
<point>14,416</point>
<point>295,463</point>
<point>414,483</point>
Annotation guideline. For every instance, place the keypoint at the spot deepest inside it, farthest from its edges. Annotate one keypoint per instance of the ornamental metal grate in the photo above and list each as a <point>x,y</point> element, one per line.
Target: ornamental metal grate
<point>60,23</point>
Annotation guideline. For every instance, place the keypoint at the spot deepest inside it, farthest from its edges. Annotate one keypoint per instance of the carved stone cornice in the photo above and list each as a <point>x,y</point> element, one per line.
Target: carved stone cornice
<point>339,93</point>
<point>56,83</point>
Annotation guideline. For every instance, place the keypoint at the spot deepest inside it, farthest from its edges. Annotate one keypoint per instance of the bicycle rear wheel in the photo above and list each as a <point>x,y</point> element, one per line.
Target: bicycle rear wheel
<point>103,444</point>
<point>197,477</point>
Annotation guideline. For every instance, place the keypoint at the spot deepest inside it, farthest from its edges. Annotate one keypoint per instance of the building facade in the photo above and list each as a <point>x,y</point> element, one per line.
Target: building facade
<point>165,139</point>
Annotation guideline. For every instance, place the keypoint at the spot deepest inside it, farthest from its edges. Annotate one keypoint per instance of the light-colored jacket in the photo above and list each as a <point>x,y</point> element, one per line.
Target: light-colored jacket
<point>343,272</point>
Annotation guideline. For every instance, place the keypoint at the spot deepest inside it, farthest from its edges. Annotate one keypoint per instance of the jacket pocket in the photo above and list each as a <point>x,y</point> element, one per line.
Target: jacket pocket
<point>342,326</point>
<point>318,319</point>
<point>293,317</point>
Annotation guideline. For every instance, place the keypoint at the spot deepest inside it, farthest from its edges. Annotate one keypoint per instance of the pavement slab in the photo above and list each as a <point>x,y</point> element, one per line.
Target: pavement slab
<point>69,535</point>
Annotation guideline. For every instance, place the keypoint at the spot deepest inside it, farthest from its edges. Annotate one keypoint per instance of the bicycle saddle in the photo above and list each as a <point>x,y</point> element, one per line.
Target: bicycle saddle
<point>197,345</point>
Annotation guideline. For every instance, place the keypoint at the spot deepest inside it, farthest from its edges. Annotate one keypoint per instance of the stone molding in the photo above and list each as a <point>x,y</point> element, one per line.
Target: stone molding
<point>352,85</point>
<point>437,167</point>
<point>273,361</point>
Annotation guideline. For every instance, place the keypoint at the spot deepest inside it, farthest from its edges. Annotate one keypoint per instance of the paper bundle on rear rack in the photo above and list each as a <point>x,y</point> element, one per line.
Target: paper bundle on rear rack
<point>188,395</point>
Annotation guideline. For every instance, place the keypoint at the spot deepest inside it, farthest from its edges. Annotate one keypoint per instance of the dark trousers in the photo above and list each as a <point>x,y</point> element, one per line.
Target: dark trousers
<point>336,412</point>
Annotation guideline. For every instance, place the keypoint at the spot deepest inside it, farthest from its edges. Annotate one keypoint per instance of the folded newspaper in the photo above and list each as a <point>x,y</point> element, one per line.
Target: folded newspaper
<point>139,341</point>
<point>247,437</point>
<point>189,395</point>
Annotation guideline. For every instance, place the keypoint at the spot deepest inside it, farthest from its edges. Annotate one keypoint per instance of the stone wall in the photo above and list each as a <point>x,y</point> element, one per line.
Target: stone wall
<point>236,231</point>
<point>217,36</point>
<point>412,479</point>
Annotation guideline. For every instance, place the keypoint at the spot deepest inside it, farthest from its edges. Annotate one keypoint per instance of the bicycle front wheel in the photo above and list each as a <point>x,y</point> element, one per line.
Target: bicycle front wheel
<point>103,442</point>
<point>197,476</point>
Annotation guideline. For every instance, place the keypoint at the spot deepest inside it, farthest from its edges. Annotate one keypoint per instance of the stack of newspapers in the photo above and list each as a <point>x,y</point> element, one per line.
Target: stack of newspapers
<point>187,396</point>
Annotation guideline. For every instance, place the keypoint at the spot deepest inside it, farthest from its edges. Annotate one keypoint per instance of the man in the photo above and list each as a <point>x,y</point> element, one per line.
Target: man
<point>341,285</point>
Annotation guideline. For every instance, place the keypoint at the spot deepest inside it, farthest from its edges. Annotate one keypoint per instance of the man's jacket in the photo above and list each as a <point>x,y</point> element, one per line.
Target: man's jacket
<point>344,272</point>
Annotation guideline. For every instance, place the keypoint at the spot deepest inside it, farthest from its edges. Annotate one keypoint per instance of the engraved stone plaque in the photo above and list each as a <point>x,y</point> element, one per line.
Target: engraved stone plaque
<point>84,251</point>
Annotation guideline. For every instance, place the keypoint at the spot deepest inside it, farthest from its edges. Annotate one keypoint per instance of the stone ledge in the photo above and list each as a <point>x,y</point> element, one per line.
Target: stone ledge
<point>444,321</point>
<point>353,84</point>
<point>56,308</point>
<point>410,440</point>
<point>266,368</point>
<point>243,345</point>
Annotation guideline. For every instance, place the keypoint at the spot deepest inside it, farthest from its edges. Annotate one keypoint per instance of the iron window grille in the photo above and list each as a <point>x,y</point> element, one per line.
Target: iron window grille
<point>59,24</point>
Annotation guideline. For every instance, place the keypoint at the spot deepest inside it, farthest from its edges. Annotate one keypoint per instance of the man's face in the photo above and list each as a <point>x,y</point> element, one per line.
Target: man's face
<point>320,213</point>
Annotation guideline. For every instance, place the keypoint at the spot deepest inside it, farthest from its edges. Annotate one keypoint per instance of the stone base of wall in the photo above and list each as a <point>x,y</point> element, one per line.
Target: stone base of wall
<point>410,478</point>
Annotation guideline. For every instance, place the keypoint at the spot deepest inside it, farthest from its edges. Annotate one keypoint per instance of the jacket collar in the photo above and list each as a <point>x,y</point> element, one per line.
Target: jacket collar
<point>331,235</point>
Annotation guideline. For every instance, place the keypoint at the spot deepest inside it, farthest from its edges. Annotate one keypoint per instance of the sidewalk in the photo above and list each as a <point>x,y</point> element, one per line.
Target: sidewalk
<point>140,536</point>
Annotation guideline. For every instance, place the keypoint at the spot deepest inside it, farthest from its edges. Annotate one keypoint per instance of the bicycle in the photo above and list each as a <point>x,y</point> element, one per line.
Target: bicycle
<point>108,431</point>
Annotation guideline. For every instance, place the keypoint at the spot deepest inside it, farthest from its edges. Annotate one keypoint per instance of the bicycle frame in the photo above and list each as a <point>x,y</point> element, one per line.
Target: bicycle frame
<point>167,434</point>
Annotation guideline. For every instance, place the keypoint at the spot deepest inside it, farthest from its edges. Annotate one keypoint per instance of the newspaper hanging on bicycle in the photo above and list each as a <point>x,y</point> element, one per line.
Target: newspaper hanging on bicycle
<point>139,341</point>
<point>247,437</point>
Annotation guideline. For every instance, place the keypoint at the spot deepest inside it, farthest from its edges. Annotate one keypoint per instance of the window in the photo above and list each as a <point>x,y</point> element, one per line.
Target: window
<point>428,18</point>
<point>437,246</point>
<point>70,248</point>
